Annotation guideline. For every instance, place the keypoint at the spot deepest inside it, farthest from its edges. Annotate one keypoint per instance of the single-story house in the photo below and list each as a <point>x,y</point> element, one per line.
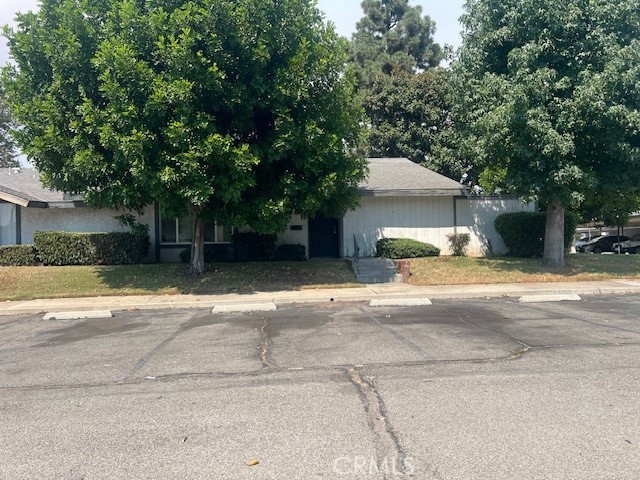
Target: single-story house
<point>398,199</point>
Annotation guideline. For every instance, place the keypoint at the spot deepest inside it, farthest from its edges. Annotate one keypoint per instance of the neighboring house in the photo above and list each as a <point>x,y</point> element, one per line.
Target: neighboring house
<point>399,199</point>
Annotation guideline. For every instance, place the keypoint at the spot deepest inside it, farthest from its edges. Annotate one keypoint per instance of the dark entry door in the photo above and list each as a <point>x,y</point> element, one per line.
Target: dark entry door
<point>323,237</point>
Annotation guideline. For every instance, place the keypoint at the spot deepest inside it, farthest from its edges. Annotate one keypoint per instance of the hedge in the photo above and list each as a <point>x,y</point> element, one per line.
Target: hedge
<point>213,253</point>
<point>73,248</point>
<point>253,246</point>
<point>405,248</point>
<point>18,255</point>
<point>523,232</point>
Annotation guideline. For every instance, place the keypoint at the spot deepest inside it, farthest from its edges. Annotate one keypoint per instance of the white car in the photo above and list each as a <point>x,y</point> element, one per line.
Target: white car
<point>632,245</point>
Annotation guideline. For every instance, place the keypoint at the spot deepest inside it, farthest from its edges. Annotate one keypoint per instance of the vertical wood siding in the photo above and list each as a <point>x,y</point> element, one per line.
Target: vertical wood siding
<point>428,219</point>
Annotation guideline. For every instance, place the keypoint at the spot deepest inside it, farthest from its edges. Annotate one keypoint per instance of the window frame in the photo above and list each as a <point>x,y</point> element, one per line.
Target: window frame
<point>176,222</point>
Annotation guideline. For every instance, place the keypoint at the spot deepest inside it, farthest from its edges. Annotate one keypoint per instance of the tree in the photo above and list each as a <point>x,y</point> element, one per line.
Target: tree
<point>235,111</point>
<point>8,153</point>
<point>548,96</point>
<point>392,36</point>
<point>409,116</point>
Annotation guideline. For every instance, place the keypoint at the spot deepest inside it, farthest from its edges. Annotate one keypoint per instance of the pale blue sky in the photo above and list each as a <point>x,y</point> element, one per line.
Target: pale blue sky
<point>343,13</point>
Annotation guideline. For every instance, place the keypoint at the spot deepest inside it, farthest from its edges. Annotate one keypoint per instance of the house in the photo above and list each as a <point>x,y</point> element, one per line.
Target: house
<point>398,199</point>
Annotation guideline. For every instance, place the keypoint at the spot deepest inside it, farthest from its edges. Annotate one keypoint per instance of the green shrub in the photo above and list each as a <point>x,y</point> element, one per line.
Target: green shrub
<point>213,253</point>
<point>18,255</point>
<point>295,253</point>
<point>459,243</point>
<point>405,248</point>
<point>74,248</point>
<point>523,232</point>
<point>253,246</point>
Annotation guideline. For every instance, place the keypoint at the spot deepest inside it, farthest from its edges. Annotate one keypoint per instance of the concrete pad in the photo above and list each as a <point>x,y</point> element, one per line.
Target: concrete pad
<point>399,302</point>
<point>78,315</point>
<point>245,307</point>
<point>550,298</point>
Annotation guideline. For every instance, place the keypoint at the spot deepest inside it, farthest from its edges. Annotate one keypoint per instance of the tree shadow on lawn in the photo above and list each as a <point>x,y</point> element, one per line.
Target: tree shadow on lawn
<point>577,265</point>
<point>224,278</point>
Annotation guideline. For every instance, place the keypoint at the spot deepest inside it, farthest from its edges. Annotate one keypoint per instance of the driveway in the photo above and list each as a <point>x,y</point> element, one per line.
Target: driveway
<point>457,390</point>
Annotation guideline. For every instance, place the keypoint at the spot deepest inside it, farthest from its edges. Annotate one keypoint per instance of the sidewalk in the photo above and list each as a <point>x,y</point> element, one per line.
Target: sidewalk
<point>359,294</point>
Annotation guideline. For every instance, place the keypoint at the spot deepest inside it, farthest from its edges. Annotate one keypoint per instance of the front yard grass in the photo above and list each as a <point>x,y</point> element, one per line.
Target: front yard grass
<point>467,270</point>
<point>27,283</point>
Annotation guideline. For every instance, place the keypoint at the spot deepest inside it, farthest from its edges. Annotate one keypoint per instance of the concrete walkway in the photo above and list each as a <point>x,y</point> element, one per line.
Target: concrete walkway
<point>359,294</point>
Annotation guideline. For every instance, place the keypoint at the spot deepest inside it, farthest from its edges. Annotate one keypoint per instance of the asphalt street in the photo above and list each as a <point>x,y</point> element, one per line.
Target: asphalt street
<point>490,389</point>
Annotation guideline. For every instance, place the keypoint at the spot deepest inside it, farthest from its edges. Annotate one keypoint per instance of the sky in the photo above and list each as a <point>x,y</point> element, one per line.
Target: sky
<point>343,13</point>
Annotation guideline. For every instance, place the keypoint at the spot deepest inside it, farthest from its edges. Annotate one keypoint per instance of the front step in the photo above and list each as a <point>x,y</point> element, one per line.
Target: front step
<point>377,270</point>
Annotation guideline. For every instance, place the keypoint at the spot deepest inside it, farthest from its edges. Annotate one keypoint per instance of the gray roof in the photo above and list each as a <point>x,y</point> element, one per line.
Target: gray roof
<point>388,177</point>
<point>23,187</point>
<point>400,177</point>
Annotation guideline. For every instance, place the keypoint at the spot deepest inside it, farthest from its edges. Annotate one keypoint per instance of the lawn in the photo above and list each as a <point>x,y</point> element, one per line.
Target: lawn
<point>25,283</point>
<point>467,271</point>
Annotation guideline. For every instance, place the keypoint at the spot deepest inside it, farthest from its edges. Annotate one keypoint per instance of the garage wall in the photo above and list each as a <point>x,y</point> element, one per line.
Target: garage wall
<point>430,220</point>
<point>427,219</point>
<point>476,216</point>
<point>82,219</point>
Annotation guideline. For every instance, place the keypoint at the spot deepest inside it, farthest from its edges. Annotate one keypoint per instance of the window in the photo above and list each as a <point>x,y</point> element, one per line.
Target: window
<point>179,231</point>
<point>7,224</point>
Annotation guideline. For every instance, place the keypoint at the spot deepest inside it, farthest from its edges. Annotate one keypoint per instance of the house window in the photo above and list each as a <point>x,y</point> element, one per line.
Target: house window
<point>7,224</point>
<point>180,231</point>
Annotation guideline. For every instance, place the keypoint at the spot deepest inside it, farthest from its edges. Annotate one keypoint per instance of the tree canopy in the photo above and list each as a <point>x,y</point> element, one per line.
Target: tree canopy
<point>409,116</point>
<point>392,35</point>
<point>234,110</point>
<point>8,152</point>
<point>547,94</point>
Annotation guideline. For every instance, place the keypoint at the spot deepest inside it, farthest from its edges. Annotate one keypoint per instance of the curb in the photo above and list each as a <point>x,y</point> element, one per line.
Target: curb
<point>375,295</point>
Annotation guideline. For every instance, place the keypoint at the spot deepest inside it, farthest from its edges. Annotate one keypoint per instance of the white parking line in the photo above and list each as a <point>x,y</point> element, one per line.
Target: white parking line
<point>245,307</point>
<point>550,298</point>
<point>399,302</point>
<point>78,315</point>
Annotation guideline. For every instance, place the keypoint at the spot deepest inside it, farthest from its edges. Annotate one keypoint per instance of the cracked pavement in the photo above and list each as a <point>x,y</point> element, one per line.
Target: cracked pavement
<point>457,390</point>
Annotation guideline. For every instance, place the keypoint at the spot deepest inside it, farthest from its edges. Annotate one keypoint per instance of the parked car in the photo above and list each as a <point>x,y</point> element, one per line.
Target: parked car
<point>584,239</point>
<point>603,244</point>
<point>632,245</point>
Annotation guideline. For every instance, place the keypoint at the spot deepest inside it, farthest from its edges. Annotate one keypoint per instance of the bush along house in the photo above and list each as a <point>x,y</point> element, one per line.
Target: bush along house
<point>399,199</point>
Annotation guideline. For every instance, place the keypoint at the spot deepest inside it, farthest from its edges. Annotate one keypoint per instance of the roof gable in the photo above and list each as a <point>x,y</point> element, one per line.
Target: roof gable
<point>390,177</point>
<point>23,187</point>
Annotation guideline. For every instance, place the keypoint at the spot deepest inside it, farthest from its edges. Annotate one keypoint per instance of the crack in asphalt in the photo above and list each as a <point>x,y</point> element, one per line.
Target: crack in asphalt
<point>335,368</point>
<point>387,443</point>
<point>518,353</point>
<point>154,351</point>
<point>265,347</point>
<point>590,322</point>
<point>398,336</point>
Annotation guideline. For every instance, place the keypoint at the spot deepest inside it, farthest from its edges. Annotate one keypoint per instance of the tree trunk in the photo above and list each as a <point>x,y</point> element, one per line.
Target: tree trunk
<point>554,235</point>
<point>196,266</point>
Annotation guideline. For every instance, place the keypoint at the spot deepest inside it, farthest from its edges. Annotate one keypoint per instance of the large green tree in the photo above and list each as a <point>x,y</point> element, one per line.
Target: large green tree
<point>392,35</point>
<point>548,95</point>
<point>236,111</point>
<point>409,116</point>
<point>8,152</point>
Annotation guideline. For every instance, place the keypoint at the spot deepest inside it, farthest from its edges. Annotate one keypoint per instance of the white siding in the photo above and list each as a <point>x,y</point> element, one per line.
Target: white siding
<point>295,237</point>
<point>427,219</point>
<point>476,216</point>
<point>430,220</point>
<point>80,219</point>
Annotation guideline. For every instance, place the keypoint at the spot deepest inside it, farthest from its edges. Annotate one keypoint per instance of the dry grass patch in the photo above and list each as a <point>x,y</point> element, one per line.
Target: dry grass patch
<point>26,283</point>
<point>467,271</point>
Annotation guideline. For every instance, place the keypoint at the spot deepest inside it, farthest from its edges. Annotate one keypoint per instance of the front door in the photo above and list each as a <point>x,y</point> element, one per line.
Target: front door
<point>323,237</point>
